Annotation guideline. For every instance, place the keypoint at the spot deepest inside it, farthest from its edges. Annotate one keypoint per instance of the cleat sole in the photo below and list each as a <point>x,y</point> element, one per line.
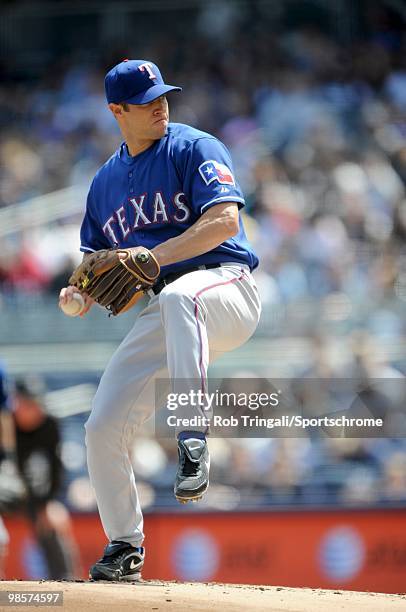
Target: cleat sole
<point>185,500</point>
<point>127,578</point>
<point>193,498</point>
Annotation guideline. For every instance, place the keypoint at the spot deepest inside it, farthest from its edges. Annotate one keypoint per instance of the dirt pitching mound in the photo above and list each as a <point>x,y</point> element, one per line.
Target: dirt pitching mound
<point>170,596</point>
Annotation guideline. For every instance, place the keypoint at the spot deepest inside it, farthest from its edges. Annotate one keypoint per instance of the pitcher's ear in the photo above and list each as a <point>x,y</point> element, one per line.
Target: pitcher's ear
<point>116,109</point>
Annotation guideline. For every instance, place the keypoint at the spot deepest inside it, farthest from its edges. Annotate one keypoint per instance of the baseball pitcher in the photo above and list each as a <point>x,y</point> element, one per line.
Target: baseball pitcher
<point>162,219</point>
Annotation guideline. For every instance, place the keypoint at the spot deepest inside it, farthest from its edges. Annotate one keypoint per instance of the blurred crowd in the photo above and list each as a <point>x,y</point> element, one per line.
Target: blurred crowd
<point>355,467</point>
<point>256,473</point>
<point>317,132</point>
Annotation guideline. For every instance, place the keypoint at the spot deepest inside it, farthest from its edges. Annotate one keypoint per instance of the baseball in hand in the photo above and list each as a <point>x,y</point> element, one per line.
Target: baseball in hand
<point>75,306</point>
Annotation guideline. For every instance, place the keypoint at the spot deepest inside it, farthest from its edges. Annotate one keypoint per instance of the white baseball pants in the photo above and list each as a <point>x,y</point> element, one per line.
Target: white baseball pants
<point>188,325</point>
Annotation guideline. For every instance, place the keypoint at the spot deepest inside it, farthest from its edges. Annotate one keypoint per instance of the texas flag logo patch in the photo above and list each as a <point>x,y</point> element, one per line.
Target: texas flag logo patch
<point>214,171</point>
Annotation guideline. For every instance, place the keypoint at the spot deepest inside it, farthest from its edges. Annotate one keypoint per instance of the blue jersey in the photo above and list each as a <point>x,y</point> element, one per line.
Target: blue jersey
<point>158,194</point>
<point>5,396</point>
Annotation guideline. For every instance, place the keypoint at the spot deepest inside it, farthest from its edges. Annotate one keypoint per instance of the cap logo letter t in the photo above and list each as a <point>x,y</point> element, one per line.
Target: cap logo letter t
<point>147,67</point>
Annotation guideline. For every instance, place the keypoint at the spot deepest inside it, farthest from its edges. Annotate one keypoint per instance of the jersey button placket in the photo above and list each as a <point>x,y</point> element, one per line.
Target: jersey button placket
<point>131,191</point>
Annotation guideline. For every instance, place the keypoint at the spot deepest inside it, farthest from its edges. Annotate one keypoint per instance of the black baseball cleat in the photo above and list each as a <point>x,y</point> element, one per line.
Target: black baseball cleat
<point>120,561</point>
<point>192,477</point>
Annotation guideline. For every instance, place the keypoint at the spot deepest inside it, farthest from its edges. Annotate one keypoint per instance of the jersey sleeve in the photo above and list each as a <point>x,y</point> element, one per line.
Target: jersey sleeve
<point>210,176</point>
<point>92,237</point>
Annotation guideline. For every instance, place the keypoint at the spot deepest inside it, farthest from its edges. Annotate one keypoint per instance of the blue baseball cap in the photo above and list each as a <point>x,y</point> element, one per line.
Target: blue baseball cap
<point>135,82</point>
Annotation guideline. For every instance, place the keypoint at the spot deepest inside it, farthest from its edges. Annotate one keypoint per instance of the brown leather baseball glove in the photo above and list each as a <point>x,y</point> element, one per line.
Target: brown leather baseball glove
<point>116,278</point>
